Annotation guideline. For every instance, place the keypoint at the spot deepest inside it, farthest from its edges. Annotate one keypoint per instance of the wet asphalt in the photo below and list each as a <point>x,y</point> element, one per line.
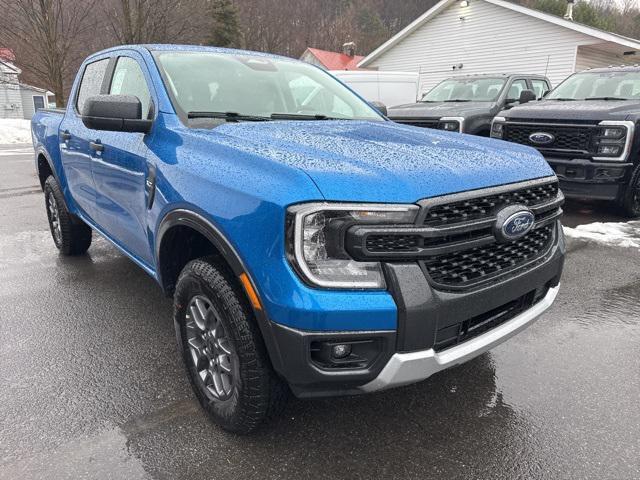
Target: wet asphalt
<point>91,385</point>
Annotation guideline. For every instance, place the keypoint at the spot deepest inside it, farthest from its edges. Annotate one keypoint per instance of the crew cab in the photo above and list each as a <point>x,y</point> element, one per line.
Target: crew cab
<point>310,245</point>
<point>467,104</point>
<point>586,128</point>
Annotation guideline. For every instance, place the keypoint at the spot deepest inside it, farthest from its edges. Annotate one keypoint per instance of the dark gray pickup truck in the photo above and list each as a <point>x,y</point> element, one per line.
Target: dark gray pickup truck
<point>587,131</point>
<point>467,104</point>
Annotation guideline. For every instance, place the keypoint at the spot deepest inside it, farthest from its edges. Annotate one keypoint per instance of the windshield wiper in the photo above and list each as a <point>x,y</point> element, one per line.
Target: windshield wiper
<point>562,99</point>
<point>302,116</point>
<point>229,116</point>
<point>456,100</point>
<point>606,98</point>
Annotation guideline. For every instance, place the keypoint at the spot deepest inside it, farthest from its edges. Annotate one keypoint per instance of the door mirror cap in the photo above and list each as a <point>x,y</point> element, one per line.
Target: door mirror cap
<point>527,96</point>
<point>380,107</point>
<point>115,113</point>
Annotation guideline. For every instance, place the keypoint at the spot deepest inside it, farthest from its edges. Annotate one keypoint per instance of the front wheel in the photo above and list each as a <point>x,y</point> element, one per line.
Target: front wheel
<point>70,234</point>
<point>630,201</point>
<point>223,350</point>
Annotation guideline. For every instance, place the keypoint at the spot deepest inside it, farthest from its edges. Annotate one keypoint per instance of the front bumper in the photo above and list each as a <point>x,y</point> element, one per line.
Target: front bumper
<point>583,178</point>
<point>411,352</point>
<point>407,368</point>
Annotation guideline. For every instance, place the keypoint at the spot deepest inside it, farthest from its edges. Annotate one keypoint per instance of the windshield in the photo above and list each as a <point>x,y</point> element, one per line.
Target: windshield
<point>599,86</point>
<point>250,87</point>
<point>466,90</point>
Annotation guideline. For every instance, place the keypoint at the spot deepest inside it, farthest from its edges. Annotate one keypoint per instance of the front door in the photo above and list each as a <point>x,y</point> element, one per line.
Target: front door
<point>122,167</point>
<point>75,138</point>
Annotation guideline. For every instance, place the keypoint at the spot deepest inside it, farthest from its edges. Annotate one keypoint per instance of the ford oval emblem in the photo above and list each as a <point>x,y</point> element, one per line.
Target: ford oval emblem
<point>541,138</point>
<point>513,222</point>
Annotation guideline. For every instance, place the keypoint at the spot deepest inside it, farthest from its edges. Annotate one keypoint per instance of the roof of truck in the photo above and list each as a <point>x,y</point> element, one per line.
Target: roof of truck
<point>615,68</point>
<point>494,75</point>
<point>190,48</point>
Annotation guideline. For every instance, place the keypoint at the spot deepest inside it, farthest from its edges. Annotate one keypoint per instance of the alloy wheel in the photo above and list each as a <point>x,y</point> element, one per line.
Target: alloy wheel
<point>54,218</point>
<point>211,351</point>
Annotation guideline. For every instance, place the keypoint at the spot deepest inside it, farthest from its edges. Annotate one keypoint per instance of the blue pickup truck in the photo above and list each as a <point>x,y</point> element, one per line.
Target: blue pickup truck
<point>310,244</point>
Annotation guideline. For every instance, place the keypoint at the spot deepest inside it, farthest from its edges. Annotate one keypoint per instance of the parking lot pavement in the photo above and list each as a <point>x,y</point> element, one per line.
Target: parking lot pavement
<point>91,385</point>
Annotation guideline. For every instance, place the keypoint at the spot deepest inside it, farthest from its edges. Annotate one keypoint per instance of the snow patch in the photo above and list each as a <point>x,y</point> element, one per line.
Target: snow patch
<point>622,234</point>
<point>15,130</point>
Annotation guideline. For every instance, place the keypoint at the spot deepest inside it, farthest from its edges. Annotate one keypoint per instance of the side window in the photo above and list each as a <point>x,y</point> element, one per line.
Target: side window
<point>539,87</point>
<point>516,87</point>
<point>91,83</point>
<point>128,79</point>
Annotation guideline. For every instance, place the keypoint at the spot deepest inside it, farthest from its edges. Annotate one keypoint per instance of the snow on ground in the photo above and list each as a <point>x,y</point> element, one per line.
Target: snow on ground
<point>623,234</point>
<point>15,131</point>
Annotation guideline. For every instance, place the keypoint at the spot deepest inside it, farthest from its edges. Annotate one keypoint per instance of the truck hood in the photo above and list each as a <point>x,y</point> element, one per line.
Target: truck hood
<point>440,109</point>
<point>383,161</point>
<point>591,110</point>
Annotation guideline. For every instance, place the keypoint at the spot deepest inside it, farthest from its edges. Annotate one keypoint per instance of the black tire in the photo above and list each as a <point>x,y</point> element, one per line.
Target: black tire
<point>255,394</point>
<point>630,202</point>
<point>70,234</point>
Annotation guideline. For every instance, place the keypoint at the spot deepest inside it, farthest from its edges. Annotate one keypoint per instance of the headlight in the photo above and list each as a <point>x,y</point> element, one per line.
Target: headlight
<point>451,124</point>
<point>612,132</point>
<point>497,127</point>
<point>609,150</point>
<point>315,242</point>
<point>612,140</point>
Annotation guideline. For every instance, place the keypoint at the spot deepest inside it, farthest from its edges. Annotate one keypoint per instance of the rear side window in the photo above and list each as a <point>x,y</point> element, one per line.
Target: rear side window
<point>91,82</point>
<point>540,87</point>
<point>128,79</point>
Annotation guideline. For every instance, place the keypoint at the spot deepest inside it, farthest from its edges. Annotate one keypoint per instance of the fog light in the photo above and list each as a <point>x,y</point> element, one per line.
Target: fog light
<point>340,351</point>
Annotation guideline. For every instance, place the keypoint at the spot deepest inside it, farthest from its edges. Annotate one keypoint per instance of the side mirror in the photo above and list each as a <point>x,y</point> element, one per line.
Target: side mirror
<point>381,107</point>
<point>116,113</point>
<point>527,96</point>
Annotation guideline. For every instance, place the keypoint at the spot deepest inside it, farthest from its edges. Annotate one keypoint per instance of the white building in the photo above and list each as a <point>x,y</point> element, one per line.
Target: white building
<point>494,36</point>
<point>18,100</point>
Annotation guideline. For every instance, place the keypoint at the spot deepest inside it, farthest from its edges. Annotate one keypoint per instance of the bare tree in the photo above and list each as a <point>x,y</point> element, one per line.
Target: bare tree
<point>45,35</point>
<point>150,21</point>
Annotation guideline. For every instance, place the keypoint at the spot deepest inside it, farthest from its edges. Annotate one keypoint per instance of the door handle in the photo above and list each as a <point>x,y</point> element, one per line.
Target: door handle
<point>65,136</point>
<point>97,146</point>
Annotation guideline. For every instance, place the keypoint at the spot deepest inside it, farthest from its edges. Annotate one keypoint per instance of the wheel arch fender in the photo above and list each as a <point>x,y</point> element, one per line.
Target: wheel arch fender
<point>191,219</point>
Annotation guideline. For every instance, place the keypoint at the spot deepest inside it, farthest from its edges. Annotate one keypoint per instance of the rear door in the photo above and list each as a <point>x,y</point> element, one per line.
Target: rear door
<point>123,166</point>
<point>75,149</point>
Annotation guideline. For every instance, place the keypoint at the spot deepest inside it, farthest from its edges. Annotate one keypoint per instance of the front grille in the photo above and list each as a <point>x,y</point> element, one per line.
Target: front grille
<point>418,122</point>
<point>482,206</point>
<point>456,238</point>
<point>453,335</point>
<point>465,267</point>
<point>570,139</point>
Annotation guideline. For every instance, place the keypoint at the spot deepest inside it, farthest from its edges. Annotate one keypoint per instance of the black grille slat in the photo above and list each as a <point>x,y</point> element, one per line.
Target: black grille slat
<point>452,335</point>
<point>483,206</point>
<point>424,123</point>
<point>392,243</point>
<point>466,267</point>
<point>574,139</point>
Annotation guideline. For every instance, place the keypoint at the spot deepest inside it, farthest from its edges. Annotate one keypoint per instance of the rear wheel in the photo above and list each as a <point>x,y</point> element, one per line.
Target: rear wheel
<point>223,351</point>
<point>630,201</point>
<point>70,234</point>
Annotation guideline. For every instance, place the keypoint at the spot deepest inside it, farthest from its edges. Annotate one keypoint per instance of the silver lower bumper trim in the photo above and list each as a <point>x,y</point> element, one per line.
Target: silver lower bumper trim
<point>406,368</point>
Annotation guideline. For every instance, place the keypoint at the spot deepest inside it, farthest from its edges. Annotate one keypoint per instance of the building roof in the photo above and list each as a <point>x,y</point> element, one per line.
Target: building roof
<point>335,60</point>
<point>7,54</point>
<point>35,89</point>
<point>444,4</point>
